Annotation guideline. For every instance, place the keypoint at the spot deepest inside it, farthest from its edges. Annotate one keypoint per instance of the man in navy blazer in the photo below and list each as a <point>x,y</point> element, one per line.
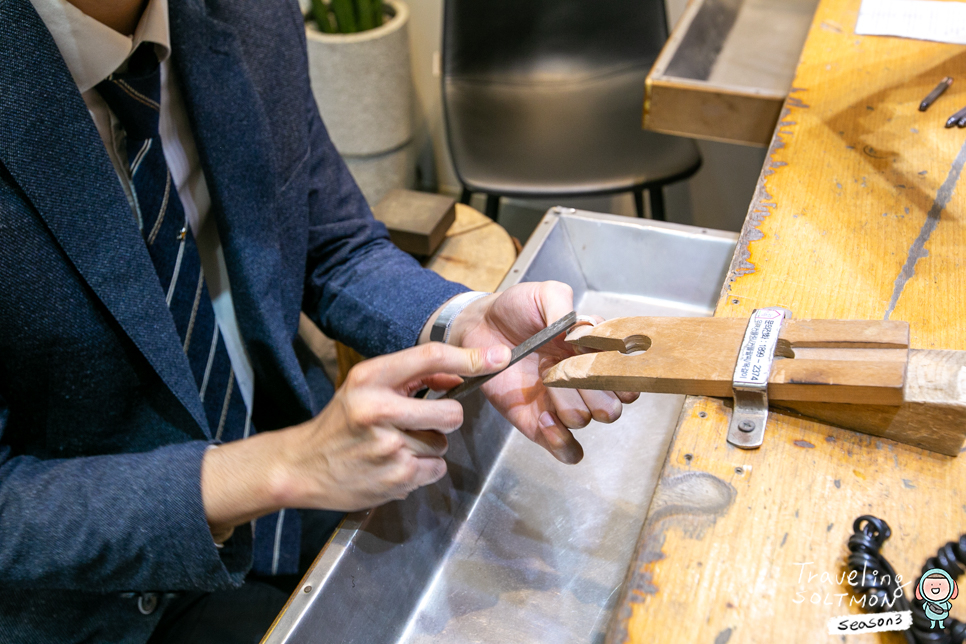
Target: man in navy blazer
<point>115,499</point>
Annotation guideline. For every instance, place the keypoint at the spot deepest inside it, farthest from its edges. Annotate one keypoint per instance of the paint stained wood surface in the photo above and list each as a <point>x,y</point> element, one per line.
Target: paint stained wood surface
<point>859,213</point>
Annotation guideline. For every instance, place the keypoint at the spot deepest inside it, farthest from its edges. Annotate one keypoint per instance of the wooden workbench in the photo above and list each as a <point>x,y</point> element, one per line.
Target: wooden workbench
<point>859,213</point>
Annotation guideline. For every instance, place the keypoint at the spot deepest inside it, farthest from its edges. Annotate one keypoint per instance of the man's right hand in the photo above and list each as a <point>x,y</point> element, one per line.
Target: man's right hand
<point>371,444</point>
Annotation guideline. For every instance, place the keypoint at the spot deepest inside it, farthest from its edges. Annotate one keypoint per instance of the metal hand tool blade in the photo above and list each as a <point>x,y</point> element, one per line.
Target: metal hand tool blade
<point>519,352</point>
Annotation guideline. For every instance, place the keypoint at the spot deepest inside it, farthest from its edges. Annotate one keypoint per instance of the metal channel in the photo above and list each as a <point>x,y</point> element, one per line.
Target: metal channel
<point>512,546</point>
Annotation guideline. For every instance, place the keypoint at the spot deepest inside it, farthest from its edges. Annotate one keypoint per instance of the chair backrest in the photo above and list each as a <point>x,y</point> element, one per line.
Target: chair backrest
<point>502,39</point>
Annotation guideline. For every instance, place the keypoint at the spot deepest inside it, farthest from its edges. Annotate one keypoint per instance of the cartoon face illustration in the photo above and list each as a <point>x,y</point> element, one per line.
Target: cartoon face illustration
<point>936,587</point>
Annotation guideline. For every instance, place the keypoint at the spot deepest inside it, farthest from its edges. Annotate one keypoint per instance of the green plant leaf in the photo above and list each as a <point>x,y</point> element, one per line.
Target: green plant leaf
<point>377,13</point>
<point>344,16</point>
<point>364,13</point>
<point>320,15</point>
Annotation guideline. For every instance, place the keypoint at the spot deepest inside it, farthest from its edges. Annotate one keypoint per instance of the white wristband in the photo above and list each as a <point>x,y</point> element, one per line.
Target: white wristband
<point>444,322</point>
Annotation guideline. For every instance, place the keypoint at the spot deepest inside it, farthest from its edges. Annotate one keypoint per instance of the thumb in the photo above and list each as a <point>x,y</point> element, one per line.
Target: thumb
<point>401,368</point>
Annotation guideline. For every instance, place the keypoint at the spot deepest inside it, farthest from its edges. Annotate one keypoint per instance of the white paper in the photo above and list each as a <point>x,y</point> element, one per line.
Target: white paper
<point>758,347</point>
<point>900,620</point>
<point>920,19</point>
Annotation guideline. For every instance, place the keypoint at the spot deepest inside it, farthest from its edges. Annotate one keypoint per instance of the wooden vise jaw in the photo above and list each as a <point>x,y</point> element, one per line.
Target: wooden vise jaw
<point>856,374</point>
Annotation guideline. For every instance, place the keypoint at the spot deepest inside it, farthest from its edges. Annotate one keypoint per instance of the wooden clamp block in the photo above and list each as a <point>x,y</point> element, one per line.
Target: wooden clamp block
<point>417,221</point>
<point>856,374</point>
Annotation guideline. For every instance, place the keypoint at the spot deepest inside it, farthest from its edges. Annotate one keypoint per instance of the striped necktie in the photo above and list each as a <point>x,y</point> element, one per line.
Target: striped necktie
<point>134,97</point>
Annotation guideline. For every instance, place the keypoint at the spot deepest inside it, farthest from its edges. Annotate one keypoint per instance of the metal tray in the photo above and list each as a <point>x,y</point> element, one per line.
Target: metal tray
<point>512,546</point>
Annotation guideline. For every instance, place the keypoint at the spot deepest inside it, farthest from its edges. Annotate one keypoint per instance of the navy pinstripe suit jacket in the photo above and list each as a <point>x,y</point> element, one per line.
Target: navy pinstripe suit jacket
<point>101,428</point>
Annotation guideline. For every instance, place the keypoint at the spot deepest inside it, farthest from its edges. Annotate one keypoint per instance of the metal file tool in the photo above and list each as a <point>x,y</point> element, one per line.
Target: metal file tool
<point>519,352</point>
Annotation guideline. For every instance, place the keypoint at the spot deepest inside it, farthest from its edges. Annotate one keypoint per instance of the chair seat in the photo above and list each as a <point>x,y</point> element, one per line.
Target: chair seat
<point>546,138</point>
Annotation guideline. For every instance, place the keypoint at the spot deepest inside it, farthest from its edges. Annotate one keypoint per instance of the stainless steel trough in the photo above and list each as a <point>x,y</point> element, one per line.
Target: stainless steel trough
<point>512,546</point>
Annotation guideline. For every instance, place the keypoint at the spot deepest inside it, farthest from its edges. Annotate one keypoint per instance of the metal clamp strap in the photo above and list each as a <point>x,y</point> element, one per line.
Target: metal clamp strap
<point>750,380</point>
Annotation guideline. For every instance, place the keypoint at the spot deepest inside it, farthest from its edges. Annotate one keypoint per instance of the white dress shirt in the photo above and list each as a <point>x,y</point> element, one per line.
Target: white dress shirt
<point>93,51</point>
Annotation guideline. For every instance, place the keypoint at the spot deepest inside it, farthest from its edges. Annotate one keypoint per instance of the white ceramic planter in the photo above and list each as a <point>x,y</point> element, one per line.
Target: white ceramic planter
<point>362,83</point>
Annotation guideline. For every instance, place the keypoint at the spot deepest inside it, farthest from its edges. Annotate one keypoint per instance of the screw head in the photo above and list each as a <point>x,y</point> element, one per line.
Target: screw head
<point>307,589</point>
<point>746,426</point>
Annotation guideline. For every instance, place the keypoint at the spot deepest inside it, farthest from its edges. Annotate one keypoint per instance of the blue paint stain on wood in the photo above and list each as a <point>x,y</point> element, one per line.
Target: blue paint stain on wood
<point>918,248</point>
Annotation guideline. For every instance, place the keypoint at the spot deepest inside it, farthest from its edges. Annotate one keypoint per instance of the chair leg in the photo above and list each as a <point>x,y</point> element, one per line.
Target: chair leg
<point>493,207</point>
<point>656,195</point>
<point>465,196</point>
<point>639,202</point>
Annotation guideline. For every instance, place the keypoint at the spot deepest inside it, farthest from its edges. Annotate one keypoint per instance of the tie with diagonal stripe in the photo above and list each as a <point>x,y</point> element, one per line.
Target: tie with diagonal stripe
<point>134,97</point>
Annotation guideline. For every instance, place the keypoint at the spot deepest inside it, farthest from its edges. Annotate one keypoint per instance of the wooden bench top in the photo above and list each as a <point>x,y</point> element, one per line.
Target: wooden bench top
<point>859,213</point>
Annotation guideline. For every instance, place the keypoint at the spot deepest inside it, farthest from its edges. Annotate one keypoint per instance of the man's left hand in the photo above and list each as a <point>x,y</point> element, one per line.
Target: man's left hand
<point>545,416</point>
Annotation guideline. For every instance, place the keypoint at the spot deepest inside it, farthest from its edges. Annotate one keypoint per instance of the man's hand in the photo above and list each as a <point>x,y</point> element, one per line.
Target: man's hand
<point>544,416</point>
<point>371,444</point>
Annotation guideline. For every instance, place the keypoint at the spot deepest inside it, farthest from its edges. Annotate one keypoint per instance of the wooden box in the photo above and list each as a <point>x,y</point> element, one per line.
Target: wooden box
<point>726,69</point>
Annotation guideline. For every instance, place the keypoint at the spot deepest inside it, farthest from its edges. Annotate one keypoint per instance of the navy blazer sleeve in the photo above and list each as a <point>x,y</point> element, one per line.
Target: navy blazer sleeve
<point>103,520</point>
<point>359,288</point>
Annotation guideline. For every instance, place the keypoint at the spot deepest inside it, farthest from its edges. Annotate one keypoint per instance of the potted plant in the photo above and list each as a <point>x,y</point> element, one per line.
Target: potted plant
<point>362,81</point>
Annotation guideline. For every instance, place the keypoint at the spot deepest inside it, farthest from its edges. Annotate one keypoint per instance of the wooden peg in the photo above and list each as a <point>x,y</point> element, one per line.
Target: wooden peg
<point>932,415</point>
<point>843,361</point>
<point>856,375</point>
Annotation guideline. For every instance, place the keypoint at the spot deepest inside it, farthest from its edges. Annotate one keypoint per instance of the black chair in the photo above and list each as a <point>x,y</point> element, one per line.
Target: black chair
<point>544,99</point>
